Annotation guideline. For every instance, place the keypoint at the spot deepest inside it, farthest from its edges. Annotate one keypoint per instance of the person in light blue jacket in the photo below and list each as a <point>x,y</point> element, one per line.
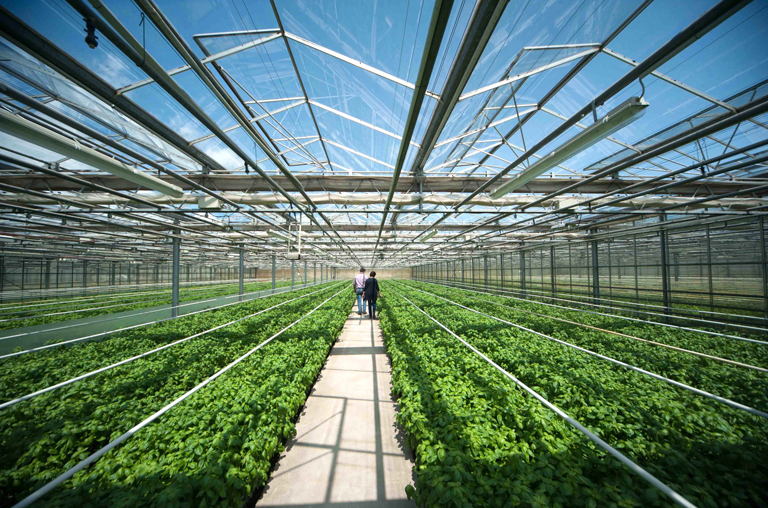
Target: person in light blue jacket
<point>358,285</point>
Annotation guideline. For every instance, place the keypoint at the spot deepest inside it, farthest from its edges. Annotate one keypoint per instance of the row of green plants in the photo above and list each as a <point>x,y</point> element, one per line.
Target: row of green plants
<point>214,449</point>
<point>23,374</point>
<point>481,441</point>
<point>37,316</point>
<point>751,353</point>
<point>584,298</point>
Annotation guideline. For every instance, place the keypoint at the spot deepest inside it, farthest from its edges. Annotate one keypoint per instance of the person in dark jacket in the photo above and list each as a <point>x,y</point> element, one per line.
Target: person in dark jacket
<point>371,293</point>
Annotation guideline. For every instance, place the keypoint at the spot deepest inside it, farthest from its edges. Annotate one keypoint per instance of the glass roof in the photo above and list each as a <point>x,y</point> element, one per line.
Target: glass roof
<point>288,111</point>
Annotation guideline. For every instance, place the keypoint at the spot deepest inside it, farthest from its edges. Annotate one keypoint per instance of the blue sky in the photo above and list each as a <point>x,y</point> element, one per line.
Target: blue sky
<point>389,35</point>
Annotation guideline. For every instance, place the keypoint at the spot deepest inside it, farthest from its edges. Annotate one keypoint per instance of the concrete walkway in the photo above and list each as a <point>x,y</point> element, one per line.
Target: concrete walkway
<point>348,451</point>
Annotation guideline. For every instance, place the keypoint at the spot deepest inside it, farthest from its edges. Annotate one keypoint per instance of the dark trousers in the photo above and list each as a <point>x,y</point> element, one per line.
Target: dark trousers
<point>372,308</point>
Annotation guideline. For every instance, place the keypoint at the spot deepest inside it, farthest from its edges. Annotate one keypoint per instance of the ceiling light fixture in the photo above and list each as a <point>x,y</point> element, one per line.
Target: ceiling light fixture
<point>618,118</point>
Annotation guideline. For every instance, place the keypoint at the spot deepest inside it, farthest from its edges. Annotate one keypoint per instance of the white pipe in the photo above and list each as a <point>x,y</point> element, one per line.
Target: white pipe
<point>33,133</point>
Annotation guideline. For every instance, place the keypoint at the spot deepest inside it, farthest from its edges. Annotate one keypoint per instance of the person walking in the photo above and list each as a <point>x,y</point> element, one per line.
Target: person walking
<point>371,294</point>
<point>358,285</point>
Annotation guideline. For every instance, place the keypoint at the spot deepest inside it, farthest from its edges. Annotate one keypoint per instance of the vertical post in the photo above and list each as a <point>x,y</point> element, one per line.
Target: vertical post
<point>314,271</point>
<point>610,273</point>
<point>763,266</point>
<point>595,273</point>
<point>85,273</point>
<point>189,278</point>
<point>664,268</point>
<point>637,283</point>
<point>709,273</point>
<point>112,273</point>
<point>58,262</point>
<point>23,273</point>
<point>472,262</point>
<point>485,271</point>
<point>175,275</point>
<point>47,275</point>
<point>552,267</point>
<point>570,270</point>
<point>501,269</point>
<point>274,271</point>
<point>522,272</point>
<point>241,285</point>
<point>462,271</point>
<point>2,276</point>
<point>72,273</point>
<point>293,271</point>
<point>305,272</point>
<point>676,261</point>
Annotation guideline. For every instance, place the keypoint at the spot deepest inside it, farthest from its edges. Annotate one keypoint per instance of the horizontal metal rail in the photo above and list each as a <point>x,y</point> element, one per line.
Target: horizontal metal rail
<point>611,332</point>
<point>143,355</point>
<point>110,332</point>
<point>632,289</point>
<point>634,467</point>
<point>114,295</point>
<point>659,377</point>
<point>39,493</point>
<point>616,316</point>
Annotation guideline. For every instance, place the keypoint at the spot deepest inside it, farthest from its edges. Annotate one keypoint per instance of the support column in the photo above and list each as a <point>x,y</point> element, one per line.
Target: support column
<point>85,273</point>
<point>709,273</point>
<point>763,267</point>
<point>637,269</point>
<point>485,271</point>
<point>274,272</point>
<point>293,271</point>
<point>664,269</point>
<point>552,268</point>
<point>175,276</point>
<point>305,272</point>
<point>2,277</point>
<point>595,273</point>
<point>522,272</point>
<point>314,271</point>
<point>501,270</point>
<point>47,275</point>
<point>462,271</point>
<point>112,273</point>
<point>241,285</point>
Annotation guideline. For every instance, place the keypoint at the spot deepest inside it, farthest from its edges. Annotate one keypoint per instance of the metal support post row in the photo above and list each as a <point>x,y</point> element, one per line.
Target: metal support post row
<point>595,273</point>
<point>175,276</point>
<point>274,271</point>
<point>664,268</point>
<point>522,272</point>
<point>241,286</point>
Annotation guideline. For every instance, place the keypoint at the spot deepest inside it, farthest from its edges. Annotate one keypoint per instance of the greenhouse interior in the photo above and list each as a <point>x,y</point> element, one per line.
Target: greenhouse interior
<point>383,253</point>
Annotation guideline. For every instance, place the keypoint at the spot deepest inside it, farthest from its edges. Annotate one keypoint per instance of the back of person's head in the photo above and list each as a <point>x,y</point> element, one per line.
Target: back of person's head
<point>362,270</point>
<point>372,274</point>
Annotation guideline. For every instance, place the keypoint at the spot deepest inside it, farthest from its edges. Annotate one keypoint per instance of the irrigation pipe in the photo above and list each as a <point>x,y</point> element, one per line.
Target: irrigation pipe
<point>704,355</point>
<point>107,296</point>
<point>615,316</point>
<point>624,309</point>
<point>678,384</point>
<point>627,304</point>
<point>121,289</point>
<point>109,332</point>
<point>39,493</point>
<point>142,355</point>
<point>133,301</point>
<point>679,499</point>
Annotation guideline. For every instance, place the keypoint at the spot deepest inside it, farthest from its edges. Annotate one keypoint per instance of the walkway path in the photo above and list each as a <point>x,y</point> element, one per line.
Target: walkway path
<point>348,451</point>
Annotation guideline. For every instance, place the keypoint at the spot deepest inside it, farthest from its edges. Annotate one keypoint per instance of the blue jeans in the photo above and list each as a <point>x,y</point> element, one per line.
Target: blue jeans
<point>371,309</point>
<point>360,306</point>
